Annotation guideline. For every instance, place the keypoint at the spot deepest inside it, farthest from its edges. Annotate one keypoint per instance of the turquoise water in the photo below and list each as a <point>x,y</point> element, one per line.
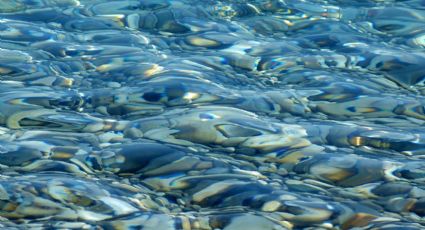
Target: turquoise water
<point>237,114</point>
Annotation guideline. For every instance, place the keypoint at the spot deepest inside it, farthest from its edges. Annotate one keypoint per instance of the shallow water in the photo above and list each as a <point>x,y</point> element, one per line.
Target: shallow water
<point>237,114</point>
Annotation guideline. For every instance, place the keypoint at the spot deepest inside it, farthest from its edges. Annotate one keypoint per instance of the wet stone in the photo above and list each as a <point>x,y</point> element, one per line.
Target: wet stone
<point>390,189</point>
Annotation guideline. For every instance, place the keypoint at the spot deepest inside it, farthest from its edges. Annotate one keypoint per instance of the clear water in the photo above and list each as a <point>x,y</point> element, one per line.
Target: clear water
<point>237,114</point>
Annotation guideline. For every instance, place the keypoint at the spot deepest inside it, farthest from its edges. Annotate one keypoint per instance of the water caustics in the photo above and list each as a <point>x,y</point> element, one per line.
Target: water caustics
<point>232,114</point>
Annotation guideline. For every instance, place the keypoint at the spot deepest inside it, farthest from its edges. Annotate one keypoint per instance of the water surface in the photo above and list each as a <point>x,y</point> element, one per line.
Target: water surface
<point>235,114</point>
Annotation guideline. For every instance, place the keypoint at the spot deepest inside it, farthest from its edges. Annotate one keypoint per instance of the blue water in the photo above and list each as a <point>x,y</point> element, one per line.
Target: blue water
<point>237,114</point>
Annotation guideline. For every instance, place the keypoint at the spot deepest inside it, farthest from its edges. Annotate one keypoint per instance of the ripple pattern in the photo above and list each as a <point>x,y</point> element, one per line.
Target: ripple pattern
<point>231,114</point>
